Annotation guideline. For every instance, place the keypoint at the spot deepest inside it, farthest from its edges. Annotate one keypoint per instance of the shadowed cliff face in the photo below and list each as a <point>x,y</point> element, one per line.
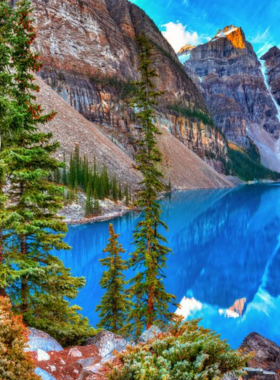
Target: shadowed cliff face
<point>229,74</point>
<point>90,55</point>
<point>272,63</point>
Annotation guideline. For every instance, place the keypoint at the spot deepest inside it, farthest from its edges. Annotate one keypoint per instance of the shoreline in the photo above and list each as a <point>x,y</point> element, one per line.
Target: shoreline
<point>111,215</point>
<point>99,218</point>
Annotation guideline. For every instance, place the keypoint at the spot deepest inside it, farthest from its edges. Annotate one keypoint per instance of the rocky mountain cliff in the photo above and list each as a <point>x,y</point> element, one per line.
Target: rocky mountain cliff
<point>229,75</point>
<point>272,65</point>
<point>90,58</point>
<point>70,127</point>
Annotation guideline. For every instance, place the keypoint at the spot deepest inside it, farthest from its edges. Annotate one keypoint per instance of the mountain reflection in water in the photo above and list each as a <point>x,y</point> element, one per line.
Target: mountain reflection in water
<point>226,262</point>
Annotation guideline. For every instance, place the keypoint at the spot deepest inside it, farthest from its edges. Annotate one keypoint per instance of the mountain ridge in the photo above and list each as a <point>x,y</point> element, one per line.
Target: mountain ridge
<point>69,128</point>
<point>228,73</point>
<point>90,57</point>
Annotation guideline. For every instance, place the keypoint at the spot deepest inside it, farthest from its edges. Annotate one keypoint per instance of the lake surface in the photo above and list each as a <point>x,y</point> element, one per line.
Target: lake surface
<point>226,262</point>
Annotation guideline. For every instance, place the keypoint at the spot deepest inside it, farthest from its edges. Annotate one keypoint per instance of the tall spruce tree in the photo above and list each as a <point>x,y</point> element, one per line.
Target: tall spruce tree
<point>114,306</point>
<point>151,301</point>
<point>42,291</point>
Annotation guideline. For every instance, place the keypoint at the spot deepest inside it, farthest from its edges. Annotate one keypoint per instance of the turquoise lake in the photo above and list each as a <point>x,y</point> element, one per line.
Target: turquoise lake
<point>226,263</point>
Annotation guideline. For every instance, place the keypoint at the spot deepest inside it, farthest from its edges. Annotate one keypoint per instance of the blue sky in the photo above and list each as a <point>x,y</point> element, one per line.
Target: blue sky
<point>196,21</point>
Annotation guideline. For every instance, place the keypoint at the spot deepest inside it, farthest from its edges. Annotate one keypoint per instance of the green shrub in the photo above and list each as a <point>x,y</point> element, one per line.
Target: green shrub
<point>186,351</point>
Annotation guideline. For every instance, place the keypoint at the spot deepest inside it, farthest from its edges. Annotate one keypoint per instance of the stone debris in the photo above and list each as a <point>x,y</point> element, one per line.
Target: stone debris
<point>75,353</point>
<point>149,334</point>
<point>107,342</point>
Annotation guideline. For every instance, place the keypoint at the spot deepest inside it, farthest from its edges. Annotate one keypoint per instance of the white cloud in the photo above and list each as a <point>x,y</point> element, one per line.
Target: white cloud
<point>177,35</point>
<point>261,37</point>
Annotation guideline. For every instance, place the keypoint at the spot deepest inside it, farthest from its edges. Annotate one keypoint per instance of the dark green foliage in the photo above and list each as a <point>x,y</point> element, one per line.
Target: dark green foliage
<point>38,284</point>
<point>193,113</point>
<point>89,206</point>
<point>81,176</point>
<point>114,305</point>
<point>246,168</point>
<point>185,351</point>
<point>123,88</point>
<point>115,189</point>
<point>126,194</point>
<point>64,175</point>
<point>96,207</point>
<point>253,152</point>
<point>120,194</point>
<point>151,301</point>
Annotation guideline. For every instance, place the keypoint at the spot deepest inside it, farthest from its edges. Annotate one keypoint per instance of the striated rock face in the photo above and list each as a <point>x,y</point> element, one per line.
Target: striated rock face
<point>266,357</point>
<point>183,167</point>
<point>272,64</point>
<point>229,75</point>
<point>90,57</point>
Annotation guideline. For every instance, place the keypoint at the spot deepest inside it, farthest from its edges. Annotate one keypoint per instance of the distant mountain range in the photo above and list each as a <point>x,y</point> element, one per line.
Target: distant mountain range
<point>90,58</point>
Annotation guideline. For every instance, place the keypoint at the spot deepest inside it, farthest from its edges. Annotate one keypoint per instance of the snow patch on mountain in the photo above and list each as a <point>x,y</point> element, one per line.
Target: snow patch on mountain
<point>225,32</point>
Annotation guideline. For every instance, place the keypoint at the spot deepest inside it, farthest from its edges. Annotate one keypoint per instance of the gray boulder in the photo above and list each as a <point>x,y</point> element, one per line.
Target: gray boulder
<point>107,342</point>
<point>40,340</point>
<point>44,374</point>
<point>88,362</point>
<point>149,334</point>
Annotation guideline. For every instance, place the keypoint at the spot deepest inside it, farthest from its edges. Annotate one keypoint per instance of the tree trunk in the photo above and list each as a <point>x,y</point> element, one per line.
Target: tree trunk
<point>2,289</point>
<point>150,309</point>
<point>24,286</point>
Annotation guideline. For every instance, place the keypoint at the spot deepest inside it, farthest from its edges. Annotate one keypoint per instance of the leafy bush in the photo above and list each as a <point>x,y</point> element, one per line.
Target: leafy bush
<point>185,351</point>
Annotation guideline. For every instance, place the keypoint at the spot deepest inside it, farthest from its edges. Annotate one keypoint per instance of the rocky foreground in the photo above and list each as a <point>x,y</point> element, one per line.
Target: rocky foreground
<point>87,362</point>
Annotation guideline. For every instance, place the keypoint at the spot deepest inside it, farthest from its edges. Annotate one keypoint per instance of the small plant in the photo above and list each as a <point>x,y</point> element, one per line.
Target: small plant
<point>185,351</point>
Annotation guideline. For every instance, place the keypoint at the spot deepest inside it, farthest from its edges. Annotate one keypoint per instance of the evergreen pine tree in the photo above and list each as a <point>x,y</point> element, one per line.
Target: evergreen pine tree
<point>151,301</point>
<point>115,189</point>
<point>72,173</point>
<point>15,363</point>
<point>126,196</point>
<point>96,207</point>
<point>89,207</point>
<point>64,175</point>
<point>43,288</point>
<point>120,194</point>
<point>114,304</point>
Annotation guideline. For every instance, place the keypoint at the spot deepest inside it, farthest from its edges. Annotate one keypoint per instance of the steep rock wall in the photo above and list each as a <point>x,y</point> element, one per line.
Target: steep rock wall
<point>228,73</point>
<point>90,56</point>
